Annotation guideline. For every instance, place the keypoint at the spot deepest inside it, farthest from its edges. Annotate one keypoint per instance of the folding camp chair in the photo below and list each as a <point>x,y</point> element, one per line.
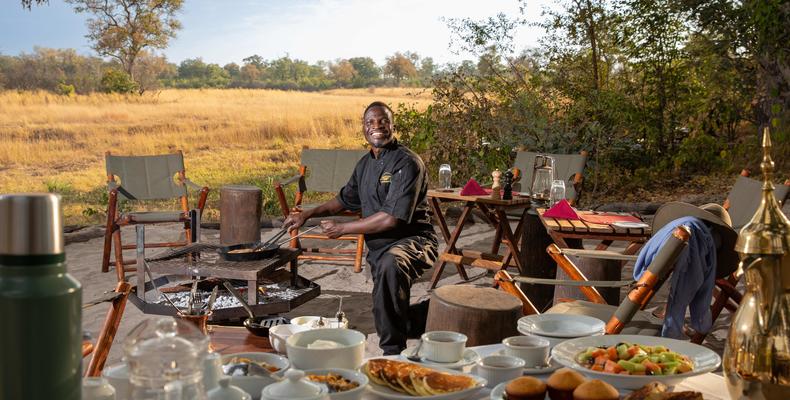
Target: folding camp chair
<point>323,171</point>
<point>101,349</point>
<point>628,317</point>
<point>567,167</point>
<point>744,198</point>
<point>145,178</point>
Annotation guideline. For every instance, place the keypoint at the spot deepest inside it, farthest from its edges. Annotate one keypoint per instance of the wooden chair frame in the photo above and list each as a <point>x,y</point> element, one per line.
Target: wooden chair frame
<point>117,220</point>
<point>353,255</point>
<point>107,334</point>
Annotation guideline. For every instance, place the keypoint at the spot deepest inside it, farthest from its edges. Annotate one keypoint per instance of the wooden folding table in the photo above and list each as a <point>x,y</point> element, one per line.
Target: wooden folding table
<point>495,212</point>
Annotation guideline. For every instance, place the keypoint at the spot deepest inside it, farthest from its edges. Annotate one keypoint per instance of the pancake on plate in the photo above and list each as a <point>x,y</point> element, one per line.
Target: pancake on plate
<point>441,383</point>
<point>374,368</point>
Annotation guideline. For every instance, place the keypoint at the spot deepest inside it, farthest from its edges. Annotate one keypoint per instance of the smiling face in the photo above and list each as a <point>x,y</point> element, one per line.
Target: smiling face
<point>378,126</point>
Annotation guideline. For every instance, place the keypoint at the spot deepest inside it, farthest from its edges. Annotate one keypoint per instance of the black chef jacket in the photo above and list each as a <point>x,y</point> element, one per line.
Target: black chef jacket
<point>395,183</point>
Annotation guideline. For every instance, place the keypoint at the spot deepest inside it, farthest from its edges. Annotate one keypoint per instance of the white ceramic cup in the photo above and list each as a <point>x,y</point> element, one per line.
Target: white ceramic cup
<point>533,350</point>
<point>443,346</point>
<point>498,369</point>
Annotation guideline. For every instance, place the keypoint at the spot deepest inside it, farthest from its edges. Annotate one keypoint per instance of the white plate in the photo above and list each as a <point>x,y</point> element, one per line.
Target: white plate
<point>387,393</point>
<point>630,225</point>
<point>551,367</point>
<point>470,357</point>
<point>498,393</point>
<point>704,359</point>
<point>561,325</point>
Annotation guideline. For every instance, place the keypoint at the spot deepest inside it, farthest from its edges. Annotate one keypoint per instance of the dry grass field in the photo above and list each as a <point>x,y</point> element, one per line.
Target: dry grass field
<point>57,143</point>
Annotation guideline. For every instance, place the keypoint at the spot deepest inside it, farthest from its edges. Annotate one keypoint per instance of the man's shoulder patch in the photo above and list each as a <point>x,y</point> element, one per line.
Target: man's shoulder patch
<point>385,178</point>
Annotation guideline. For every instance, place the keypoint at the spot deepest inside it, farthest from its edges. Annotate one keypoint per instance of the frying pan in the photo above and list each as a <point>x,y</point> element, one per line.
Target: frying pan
<point>260,251</point>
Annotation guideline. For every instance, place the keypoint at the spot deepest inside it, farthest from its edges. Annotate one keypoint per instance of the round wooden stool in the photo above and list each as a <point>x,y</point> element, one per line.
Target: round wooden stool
<point>484,315</point>
<point>239,214</point>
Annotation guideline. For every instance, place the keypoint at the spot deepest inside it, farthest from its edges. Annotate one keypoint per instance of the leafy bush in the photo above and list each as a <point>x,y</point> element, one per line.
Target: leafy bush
<point>117,81</point>
<point>66,90</point>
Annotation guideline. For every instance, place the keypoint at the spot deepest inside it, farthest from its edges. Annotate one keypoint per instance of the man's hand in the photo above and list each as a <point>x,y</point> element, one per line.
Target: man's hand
<point>294,220</point>
<point>332,229</point>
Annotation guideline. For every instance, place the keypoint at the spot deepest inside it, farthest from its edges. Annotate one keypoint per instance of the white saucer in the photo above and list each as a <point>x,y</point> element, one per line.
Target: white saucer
<point>630,225</point>
<point>470,357</point>
<point>551,367</point>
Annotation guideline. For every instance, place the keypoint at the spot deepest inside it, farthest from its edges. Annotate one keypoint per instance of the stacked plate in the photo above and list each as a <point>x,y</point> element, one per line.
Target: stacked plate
<point>557,328</point>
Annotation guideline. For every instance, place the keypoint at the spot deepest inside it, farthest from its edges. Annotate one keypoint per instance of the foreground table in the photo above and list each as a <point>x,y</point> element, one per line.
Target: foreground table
<point>495,212</point>
<point>711,386</point>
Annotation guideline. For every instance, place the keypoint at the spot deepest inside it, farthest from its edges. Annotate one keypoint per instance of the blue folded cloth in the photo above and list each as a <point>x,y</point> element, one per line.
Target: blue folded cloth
<point>692,279</point>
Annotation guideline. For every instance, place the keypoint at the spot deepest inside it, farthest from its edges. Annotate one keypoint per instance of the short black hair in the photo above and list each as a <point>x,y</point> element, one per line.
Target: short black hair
<point>377,104</point>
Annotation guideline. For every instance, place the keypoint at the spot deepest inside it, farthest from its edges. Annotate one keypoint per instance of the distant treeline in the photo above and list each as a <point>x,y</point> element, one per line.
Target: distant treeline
<point>64,71</point>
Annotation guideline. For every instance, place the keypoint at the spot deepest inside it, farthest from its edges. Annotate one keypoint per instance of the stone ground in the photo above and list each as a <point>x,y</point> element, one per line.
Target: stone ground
<point>84,260</point>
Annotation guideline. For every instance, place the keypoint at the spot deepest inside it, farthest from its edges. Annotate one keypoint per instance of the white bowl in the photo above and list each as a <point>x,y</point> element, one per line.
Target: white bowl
<point>354,376</point>
<point>704,359</point>
<point>553,341</point>
<point>254,384</point>
<point>278,334</point>
<point>348,355</point>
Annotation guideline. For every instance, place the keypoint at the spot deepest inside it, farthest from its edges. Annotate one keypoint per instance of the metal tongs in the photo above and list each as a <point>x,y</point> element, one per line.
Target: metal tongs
<point>280,234</point>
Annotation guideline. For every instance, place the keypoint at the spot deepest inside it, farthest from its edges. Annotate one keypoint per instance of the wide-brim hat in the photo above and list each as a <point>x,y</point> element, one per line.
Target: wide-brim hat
<point>719,219</point>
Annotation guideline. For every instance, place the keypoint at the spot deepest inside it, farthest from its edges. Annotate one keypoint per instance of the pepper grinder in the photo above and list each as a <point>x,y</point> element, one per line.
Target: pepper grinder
<point>508,188</point>
<point>495,186</point>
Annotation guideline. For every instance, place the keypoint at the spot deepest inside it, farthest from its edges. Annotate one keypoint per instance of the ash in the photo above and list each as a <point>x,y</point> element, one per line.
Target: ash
<point>272,293</point>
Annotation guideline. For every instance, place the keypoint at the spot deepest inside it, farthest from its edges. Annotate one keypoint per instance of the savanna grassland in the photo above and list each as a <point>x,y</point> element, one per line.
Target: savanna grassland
<point>229,136</point>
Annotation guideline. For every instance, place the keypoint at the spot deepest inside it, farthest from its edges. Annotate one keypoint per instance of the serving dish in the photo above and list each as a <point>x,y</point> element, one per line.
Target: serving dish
<point>348,355</point>
<point>254,384</point>
<point>390,394</point>
<point>468,358</point>
<point>354,376</point>
<point>704,359</point>
<point>561,325</point>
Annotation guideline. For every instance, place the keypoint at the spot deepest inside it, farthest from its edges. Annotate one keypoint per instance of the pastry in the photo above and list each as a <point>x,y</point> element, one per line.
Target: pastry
<point>525,388</point>
<point>596,389</point>
<point>562,383</point>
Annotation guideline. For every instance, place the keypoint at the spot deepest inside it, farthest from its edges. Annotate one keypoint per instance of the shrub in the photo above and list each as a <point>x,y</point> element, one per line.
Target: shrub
<point>116,81</point>
<point>66,90</point>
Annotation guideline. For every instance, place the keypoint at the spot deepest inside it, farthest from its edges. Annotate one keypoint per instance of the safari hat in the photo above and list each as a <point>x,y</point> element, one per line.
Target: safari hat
<point>719,219</point>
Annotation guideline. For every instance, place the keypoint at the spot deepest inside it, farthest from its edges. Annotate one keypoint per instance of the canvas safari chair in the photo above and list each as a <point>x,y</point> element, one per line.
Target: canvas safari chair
<point>112,321</point>
<point>323,171</point>
<point>744,198</point>
<point>628,317</point>
<point>136,178</point>
<point>567,167</point>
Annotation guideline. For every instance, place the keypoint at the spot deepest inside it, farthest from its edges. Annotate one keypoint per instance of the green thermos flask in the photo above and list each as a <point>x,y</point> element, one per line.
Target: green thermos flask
<point>40,304</point>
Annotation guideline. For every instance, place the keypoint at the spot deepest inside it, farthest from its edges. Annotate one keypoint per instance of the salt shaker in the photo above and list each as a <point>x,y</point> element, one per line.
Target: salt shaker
<point>495,186</point>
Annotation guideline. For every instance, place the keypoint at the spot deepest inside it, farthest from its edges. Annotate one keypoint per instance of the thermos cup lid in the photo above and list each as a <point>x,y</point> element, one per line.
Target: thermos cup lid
<point>30,224</point>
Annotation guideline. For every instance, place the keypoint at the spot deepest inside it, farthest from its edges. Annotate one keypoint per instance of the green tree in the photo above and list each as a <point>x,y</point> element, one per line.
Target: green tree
<point>366,72</point>
<point>342,72</point>
<point>123,29</point>
<point>400,66</point>
<point>117,81</point>
<point>232,69</point>
<point>427,70</point>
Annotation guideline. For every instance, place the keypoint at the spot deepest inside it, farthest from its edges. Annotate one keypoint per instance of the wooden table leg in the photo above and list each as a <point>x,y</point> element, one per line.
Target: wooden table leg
<point>252,292</point>
<point>450,249</point>
<point>534,240</point>
<point>517,235</point>
<point>437,213</point>
<point>295,273</point>
<point>493,220</point>
<point>509,239</point>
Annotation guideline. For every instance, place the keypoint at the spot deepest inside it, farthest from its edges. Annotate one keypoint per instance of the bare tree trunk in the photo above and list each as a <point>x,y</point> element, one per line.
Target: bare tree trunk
<point>593,37</point>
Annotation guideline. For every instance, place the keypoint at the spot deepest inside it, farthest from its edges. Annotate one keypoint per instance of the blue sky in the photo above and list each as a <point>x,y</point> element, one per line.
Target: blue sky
<point>222,31</point>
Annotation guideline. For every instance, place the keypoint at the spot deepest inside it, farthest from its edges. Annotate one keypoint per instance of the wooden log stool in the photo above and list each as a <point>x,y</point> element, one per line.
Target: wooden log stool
<point>484,315</point>
<point>595,270</point>
<point>239,214</point>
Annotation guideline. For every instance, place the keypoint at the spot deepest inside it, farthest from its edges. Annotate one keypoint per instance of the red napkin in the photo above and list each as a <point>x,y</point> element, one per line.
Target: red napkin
<point>562,210</point>
<point>472,188</point>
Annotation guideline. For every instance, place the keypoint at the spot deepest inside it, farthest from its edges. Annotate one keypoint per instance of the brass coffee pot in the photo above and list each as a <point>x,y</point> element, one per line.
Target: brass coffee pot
<point>757,353</point>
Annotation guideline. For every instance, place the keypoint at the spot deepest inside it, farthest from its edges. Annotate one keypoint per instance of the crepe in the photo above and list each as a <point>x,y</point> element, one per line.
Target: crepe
<point>414,379</point>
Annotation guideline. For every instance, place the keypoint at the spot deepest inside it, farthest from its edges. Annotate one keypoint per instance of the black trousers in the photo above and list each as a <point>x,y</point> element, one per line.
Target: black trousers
<point>393,272</point>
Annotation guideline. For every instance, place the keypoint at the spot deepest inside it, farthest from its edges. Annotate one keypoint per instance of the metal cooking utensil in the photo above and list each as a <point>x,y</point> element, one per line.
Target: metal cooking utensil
<point>271,240</point>
<point>415,355</point>
<point>238,297</point>
<point>212,299</point>
<point>153,283</point>
<point>192,296</point>
<point>300,234</point>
